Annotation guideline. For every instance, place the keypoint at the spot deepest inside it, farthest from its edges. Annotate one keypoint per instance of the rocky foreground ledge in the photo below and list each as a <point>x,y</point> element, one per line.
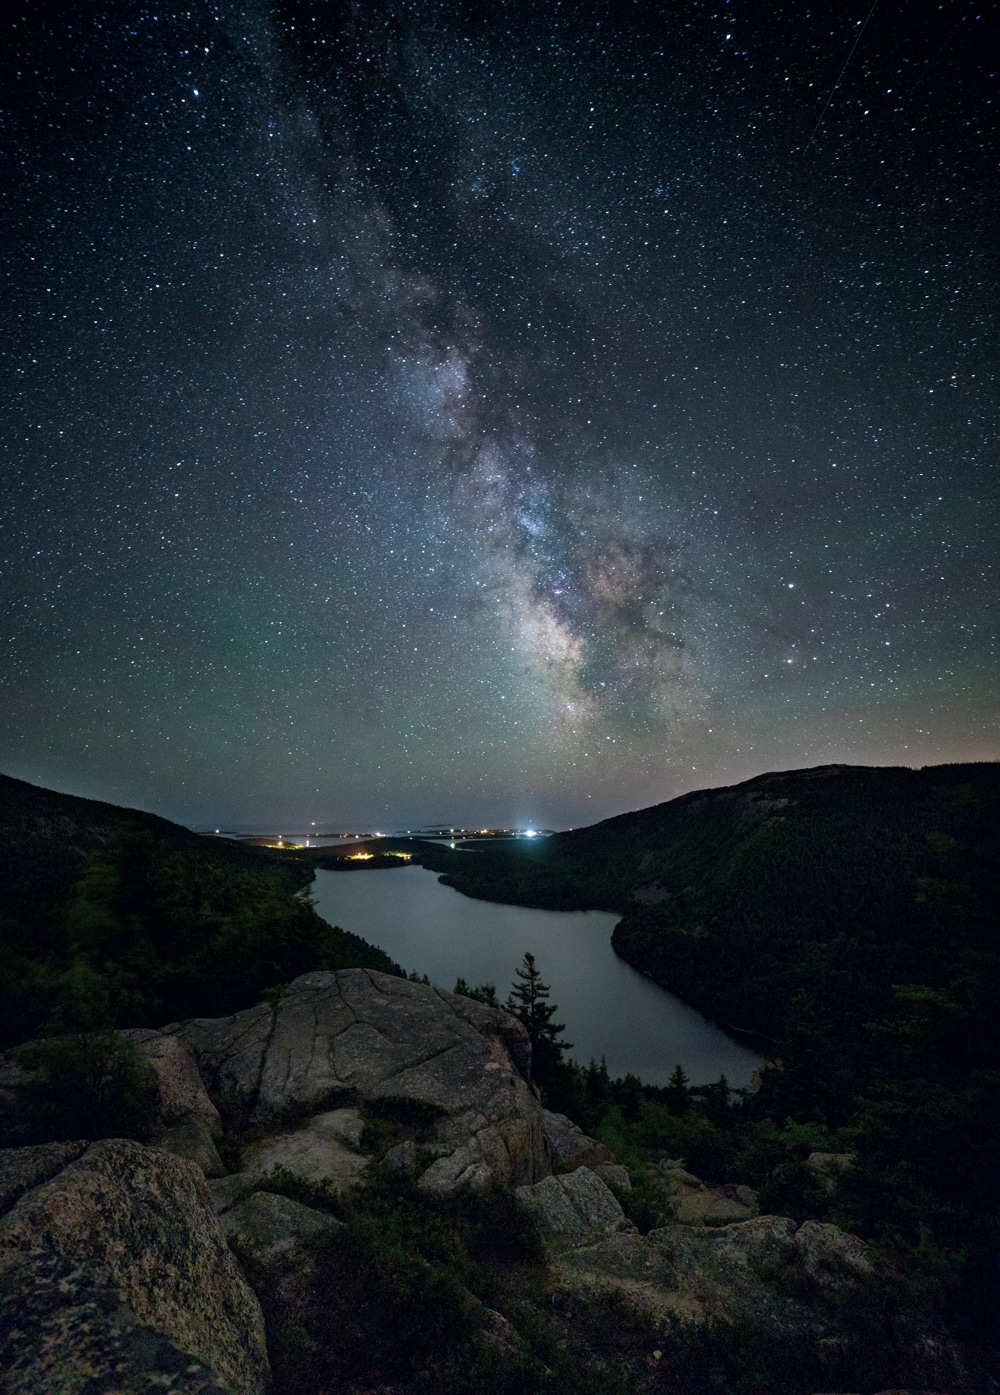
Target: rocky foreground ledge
<point>115,1270</point>
<point>170,1265</point>
<point>332,1042</point>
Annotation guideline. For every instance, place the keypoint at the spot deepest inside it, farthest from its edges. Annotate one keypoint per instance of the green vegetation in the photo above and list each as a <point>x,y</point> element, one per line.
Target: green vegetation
<point>85,1085</point>
<point>849,918</point>
<point>528,1002</point>
<point>407,1296</point>
<point>392,1118</point>
<point>483,993</point>
<point>420,1293</point>
<point>112,918</point>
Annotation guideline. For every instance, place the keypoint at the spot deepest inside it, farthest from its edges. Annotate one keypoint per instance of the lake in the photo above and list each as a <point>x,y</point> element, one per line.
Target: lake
<point>609,1008</point>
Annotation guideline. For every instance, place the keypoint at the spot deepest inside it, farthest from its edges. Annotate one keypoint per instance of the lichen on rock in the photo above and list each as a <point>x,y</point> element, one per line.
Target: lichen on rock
<point>145,1220</point>
<point>24,1168</point>
<point>64,1330</point>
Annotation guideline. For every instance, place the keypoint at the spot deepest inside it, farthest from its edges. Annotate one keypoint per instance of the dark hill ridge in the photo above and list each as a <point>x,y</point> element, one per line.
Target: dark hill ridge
<point>111,916</point>
<point>44,831</point>
<point>613,864</point>
<point>807,892</point>
<point>849,913</point>
<point>28,810</point>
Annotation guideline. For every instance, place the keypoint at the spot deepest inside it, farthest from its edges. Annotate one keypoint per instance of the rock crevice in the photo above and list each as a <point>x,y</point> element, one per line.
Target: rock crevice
<point>368,1036</point>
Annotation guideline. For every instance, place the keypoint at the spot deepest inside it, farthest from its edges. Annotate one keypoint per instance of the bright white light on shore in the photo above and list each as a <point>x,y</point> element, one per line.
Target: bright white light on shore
<point>529,833</point>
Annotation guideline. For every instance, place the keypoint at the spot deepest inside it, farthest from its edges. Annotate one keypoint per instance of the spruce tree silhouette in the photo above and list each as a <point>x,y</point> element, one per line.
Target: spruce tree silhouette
<point>528,1002</point>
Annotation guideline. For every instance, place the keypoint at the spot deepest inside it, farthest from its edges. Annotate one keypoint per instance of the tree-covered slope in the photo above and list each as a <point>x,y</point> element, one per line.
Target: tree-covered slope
<point>850,917</point>
<point>111,916</point>
<point>800,895</point>
<point>45,837</point>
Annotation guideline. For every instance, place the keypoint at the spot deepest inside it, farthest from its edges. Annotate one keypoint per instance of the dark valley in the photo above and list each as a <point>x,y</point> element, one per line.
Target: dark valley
<point>408,1187</point>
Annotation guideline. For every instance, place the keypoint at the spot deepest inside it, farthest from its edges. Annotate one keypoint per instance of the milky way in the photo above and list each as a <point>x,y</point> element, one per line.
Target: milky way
<point>416,411</point>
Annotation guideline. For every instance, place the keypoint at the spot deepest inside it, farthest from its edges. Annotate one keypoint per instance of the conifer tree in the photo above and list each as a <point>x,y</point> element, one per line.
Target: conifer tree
<point>678,1098</point>
<point>483,993</point>
<point>528,1002</point>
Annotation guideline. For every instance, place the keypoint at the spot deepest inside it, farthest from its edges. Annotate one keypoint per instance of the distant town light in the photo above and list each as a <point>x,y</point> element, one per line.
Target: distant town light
<point>529,833</point>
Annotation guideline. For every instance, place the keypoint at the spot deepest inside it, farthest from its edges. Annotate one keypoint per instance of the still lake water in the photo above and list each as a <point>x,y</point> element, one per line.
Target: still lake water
<point>609,1008</point>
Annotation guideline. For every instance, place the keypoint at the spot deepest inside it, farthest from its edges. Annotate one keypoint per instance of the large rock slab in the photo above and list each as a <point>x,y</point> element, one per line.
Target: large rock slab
<point>569,1146</point>
<point>747,1270</point>
<point>187,1122</point>
<point>695,1203</point>
<point>137,1222</point>
<point>326,1149</point>
<point>713,1261</point>
<point>629,1267</point>
<point>333,1038</point>
<point>267,1228</point>
<point>574,1210</point>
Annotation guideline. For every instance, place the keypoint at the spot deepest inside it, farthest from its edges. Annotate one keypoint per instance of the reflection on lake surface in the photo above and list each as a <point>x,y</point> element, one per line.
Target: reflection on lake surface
<point>609,1008</point>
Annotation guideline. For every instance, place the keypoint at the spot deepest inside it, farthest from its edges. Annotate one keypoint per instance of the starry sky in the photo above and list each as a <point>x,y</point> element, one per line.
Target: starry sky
<point>526,412</point>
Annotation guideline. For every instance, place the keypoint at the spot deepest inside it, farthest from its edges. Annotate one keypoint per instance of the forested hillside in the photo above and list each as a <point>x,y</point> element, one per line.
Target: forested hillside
<point>836,879</point>
<point>114,917</point>
<point>849,917</point>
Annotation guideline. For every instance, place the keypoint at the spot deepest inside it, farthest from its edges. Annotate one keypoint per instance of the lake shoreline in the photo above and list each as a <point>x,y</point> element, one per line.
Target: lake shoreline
<point>757,1042</point>
<point>612,1009</point>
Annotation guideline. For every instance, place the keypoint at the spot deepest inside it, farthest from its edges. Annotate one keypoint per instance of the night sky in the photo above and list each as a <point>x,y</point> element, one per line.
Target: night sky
<point>528,412</point>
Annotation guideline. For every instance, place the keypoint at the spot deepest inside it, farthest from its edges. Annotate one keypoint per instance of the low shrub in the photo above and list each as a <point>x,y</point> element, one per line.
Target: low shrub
<point>84,1085</point>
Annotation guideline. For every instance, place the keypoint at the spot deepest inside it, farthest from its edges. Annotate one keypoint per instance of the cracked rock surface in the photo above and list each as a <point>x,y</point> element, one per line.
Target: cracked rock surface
<point>759,1269</point>
<point>358,1035</point>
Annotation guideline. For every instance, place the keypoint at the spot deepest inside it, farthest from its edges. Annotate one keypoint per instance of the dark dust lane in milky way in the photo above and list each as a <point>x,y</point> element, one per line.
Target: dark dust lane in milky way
<point>421,411</point>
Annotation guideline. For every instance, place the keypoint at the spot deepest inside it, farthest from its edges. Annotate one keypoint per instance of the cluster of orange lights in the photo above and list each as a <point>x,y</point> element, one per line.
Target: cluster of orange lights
<point>366,856</point>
